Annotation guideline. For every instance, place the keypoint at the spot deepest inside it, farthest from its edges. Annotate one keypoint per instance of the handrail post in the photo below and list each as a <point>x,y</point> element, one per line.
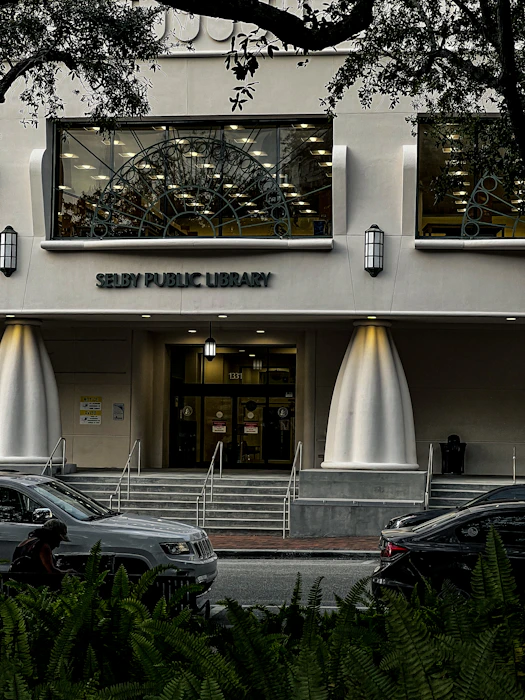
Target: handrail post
<point>212,467</point>
<point>63,456</point>
<point>514,464</point>
<point>430,469</point>
<point>204,508</point>
<point>220,459</point>
<point>197,511</point>
<point>284,518</point>
<point>139,458</point>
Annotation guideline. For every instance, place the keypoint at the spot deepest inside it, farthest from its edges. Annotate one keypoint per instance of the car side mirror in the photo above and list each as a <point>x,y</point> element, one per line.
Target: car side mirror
<point>40,515</point>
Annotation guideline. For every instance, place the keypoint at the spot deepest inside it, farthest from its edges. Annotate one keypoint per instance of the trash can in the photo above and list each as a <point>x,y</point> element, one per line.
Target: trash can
<point>453,455</point>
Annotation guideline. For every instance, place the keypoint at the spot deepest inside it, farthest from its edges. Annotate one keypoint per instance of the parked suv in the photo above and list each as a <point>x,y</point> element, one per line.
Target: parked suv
<point>138,542</point>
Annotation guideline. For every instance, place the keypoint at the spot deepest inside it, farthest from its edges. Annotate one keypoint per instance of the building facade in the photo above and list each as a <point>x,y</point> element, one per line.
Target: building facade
<point>134,248</point>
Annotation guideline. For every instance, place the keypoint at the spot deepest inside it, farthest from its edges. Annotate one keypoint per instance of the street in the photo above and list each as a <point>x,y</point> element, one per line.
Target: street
<point>271,581</point>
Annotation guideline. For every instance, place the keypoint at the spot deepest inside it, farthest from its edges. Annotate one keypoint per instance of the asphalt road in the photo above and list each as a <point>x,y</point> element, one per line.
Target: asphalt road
<point>271,581</point>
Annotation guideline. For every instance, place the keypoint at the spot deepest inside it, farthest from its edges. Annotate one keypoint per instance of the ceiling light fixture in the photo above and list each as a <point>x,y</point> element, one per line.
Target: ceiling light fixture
<point>192,330</point>
<point>146,315</point>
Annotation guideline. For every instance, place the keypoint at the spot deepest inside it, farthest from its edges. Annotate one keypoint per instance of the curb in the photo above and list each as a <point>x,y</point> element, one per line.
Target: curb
<point>297,553</point>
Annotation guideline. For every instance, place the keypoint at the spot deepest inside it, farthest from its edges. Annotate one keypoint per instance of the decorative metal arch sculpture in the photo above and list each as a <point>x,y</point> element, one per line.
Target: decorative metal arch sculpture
<point>173,185</point>
<point>485,203</point>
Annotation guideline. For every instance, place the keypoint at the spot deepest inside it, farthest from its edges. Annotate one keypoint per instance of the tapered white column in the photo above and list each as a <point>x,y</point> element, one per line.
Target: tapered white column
<point>29,406</point>
<point>371,425</point>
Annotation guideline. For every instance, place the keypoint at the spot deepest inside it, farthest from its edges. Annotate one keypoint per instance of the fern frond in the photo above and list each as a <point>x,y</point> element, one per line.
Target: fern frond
<point>125,691</point>
<point>307,677</point>
<point>149,658</point>
<point>210,690</point>
<point>499,570</point>
<point>15,642</point>
<point>121,587</point>
<point>361,674</point>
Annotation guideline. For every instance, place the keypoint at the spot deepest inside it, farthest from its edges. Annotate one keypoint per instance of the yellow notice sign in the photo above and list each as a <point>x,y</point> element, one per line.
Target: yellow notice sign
<point>90,410</point>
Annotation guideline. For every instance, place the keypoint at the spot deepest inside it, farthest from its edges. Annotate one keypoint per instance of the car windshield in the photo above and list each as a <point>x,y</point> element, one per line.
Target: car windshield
<point>71,501</point>
<point>436,522</point>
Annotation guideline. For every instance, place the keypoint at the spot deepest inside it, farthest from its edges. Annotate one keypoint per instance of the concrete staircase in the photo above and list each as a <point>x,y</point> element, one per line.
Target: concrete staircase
<point>449,492</point>
<point>241,504</point>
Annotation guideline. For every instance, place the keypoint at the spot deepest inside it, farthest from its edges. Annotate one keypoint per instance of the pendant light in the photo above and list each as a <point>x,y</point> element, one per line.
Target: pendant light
<point>210,347</point>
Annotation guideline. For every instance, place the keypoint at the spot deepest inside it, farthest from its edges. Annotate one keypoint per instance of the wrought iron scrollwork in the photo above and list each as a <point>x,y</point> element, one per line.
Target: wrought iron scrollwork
<point>488,214</point>
<point>188,183</point>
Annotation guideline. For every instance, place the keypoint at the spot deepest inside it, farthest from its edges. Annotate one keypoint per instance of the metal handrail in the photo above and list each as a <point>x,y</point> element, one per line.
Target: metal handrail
<point>430,469</point>
<point>292,495</point>
<point>127,469</point>
<point>209,476</point>
<point>514,465</point>
<point>49,463</point>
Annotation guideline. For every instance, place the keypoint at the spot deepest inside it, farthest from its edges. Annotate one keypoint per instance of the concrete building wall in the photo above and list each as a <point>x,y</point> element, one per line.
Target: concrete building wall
<point>93,362</point>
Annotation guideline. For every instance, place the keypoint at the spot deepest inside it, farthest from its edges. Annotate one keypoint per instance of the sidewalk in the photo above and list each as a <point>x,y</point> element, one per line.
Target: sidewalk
<point>274,546</point>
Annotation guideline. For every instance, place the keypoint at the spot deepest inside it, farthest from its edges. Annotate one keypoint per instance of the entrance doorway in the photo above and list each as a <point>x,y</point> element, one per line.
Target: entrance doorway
<point>247,400</point>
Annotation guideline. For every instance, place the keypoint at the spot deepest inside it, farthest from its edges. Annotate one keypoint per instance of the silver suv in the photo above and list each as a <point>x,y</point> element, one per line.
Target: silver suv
<point>138,542</point>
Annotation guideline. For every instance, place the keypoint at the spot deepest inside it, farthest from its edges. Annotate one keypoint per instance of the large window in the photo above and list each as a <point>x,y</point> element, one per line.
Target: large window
<point>457,201</point>
<point>250,179</point>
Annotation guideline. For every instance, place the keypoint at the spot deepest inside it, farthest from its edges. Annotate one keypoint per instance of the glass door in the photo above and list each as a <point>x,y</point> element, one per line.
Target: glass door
<point>279,430</point>
<point>219,425</point>
<point>250,429</point>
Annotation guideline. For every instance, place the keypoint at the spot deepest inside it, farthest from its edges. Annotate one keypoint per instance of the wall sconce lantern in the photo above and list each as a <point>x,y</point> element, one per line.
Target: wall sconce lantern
<point>374,249</point>
<point>8,251</point>
<point>210,347</point>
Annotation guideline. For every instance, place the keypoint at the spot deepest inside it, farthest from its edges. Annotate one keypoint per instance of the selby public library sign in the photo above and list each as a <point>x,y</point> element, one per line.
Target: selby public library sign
<point>127,280</point>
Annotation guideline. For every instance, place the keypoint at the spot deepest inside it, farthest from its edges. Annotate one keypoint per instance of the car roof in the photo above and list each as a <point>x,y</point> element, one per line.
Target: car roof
<point>12,478</point>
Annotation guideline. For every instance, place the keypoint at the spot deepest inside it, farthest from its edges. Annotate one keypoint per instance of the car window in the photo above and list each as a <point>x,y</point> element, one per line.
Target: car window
<point>76,504</point>
<point>16,507</point>
<point>511,527</point>
<point>437,522</point>
<point>510,493</point>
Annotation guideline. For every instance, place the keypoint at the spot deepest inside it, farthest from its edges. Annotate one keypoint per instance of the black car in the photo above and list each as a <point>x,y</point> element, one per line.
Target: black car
<point>448,547</point>
<point>513,492</point>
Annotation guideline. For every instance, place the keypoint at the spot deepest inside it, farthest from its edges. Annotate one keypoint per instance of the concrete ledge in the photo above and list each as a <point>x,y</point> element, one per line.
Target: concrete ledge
<point>267,244</point>
<point>341,519</point>
<point>359,485</point>
<point>470,244</point>
<point>359,554</point>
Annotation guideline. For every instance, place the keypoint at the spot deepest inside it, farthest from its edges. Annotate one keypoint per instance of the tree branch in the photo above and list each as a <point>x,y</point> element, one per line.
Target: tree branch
<point>24,66</point>
<point>287,27</point>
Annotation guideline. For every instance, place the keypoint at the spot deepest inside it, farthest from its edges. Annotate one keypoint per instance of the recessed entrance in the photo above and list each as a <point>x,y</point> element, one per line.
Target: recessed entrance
<point>244,397</point>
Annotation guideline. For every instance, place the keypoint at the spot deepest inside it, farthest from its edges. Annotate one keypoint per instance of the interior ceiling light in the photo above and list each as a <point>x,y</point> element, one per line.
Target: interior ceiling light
<point>64,187</point>
<point>459,202</point>
<point>258,153</point>
<point>458,172</point>
<point>233,127</point>
<point>372,318</point>
<point>207,211</point>
<point>173,187</point>
<point>116,142</point>
<point>292,194</point>
<point>156,177</point>
<point>511,318</point>
<point>453,137</point>
<point>260,331</point>
<point>307,211</point>
<point>459,193</point>
<point>229,186</point>
<point>314,139</point>
<point>128,154</point>
<point>193,154</point>
<point>303,126</point>
<point>321,152</point>
<point>92,128</point>
<point>461,211</point>
<point>100,177</point>
<point>146,315</point>
<point>287,185</point>
<point>158,128</point>
<point>252,354</point>
<point>192,330</point>
<point>68,155</point>
<point>144,166</point>
<point>301,203</point>
<point>268,165</point>
<point>326,164</point>
<point>244,140</point>
<point>223,316</point>
<point>241,350</point>
<point>85,167</point>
